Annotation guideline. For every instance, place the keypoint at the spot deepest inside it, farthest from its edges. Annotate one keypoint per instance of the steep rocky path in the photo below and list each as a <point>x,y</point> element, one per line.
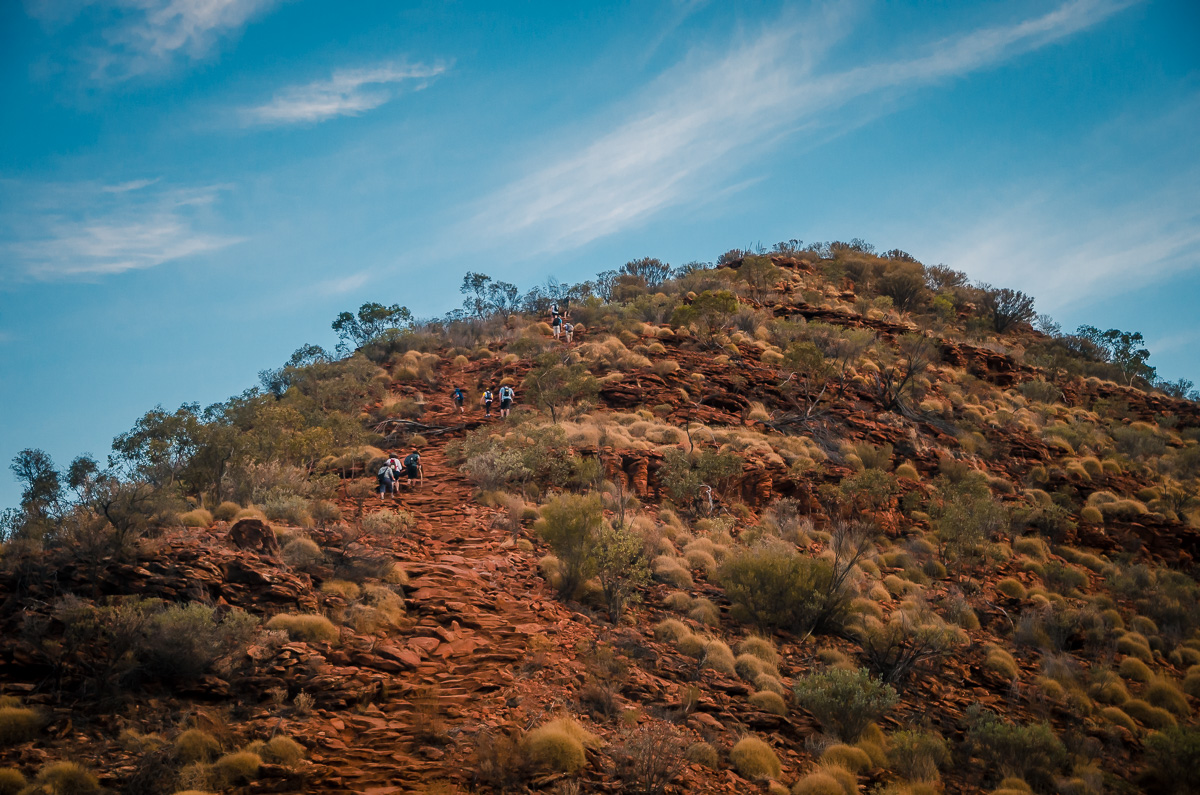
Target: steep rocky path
<point>476,602</point>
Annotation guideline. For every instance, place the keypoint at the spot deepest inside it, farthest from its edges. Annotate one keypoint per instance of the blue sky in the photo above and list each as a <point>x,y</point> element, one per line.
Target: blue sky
<point>191,189</point>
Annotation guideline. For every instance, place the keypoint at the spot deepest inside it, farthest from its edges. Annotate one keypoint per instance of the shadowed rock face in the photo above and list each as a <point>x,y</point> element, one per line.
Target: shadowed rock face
<point>254,534</point>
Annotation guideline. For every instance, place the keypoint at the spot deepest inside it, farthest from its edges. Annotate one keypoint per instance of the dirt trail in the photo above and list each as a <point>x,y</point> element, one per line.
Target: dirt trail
<point>476,602</point>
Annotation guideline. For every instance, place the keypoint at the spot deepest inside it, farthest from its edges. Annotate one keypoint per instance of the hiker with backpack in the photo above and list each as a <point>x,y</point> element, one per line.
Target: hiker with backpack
<point>569,331</point>
<point>386,480</point>
<point>412,468</point>
<point>460,397</point>
<point>486,400</point>
<point>557,324</point>
<point>507,395</point>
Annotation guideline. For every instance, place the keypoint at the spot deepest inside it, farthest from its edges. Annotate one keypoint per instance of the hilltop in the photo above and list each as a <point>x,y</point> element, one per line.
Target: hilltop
<point>809,520</point>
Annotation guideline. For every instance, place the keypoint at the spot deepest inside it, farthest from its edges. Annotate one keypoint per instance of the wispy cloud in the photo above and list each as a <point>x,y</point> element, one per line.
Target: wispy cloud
<point>348,92</point>
<point>87,231</point>
<point>689,132</point>
<point>135,37</point>
<point>1095,230</point>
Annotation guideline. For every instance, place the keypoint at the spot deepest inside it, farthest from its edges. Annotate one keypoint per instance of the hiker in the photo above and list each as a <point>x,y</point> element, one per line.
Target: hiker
<point>569,330</point>
<point>557,324</point>
<point>486,400</point>
<point>393,463</point>
<point>460,397</point>
<point>506,398</point>
<point>554,309</point>
<point>412,468</point>
<point>386,481</point>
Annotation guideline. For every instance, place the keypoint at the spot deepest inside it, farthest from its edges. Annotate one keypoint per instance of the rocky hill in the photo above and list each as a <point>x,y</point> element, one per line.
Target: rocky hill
<point>813,520</point>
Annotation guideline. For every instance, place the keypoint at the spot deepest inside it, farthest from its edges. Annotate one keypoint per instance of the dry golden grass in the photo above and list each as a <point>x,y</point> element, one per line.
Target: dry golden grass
<point>754,759</point>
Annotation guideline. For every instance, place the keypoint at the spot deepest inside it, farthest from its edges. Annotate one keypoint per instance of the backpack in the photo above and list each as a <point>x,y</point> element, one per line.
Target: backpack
<point>506,393</point>
<point>487,395</point>
<point>412,460</point>
<point>385,470</point>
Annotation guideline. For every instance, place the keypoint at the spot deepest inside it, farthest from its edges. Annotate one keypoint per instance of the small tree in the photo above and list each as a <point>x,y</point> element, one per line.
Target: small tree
<point>1005,307</point>
<point>898,649</point>
<point>557,381</point>
<point>570,523</point>
<point>651,270</point>
<point>1013,748</point>
<point>487,297</point>
<point>621,566</point>
<point>43,485</point>
<point>708,312</point>
<point>896,380</point>
<point>1124,349</point>
<point>905,285</point>
<point>371,321</point>
<point>845,702</point>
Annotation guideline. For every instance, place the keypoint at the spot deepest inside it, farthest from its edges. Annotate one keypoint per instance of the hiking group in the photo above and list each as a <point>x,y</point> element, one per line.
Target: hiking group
<point>388,476</point>
<point>506,393</point>
<point>560,322</point>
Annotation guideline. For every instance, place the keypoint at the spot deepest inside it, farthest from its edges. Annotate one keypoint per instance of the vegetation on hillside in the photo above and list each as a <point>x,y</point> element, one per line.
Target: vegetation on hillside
<point>882,485</point>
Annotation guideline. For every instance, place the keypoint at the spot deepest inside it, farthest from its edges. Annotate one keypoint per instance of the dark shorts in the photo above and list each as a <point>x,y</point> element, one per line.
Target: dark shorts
<point>458,401</point>
<point>487,404</point>
<point>506,404</point>
<point>412,471</point>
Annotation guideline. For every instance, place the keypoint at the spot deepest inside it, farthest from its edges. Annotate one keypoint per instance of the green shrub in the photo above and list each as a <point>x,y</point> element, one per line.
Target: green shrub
<point>559,746</point>
<point>236,768</point>
<point>196,745</point>
<point>765,681</point>
<point>760,647</point>
<point>282,750</point>
<point>325,513</point>
<point>226,511</point>
<point>703,754</point>
<point>754,759</point>
<point>1173,757</point>
<point>570,524</point>
<point>11,781</point>
<point>196,518</point>
<point>1011,587</point>
<point>905,644</point>
<point>1108,689</point>
<point>289,508</point>
<point>705,612</point>
<point>17,725</point>
<point>1163,693</point>
<point>1118,717</point>
<point>671,629</point>
<point>845,702</point>
<point>66,778</point>
<point>1148,715</point>
<point>1063,578</point>
<point>388,523</point>
<point>772,585</point>
<point>306,627</point>
<point>301,553</point>
<point>184,641</point>
<point>1013,748</point>
<point>917,755</point>
<point>819,782</point>
<point>1135,669</point>
<point>718,657</point>
<point>749,667</point>
<point>678,601</point>
<point>768,702</point>
<point>856,760</point>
